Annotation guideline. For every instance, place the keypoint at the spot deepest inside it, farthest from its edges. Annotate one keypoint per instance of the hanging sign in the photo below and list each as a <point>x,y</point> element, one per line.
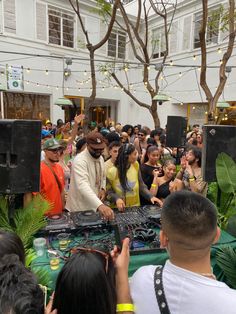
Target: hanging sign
<point>15,77</point>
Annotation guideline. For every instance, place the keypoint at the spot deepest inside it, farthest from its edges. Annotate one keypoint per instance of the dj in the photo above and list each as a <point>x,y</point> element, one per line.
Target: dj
<point>88,180</point>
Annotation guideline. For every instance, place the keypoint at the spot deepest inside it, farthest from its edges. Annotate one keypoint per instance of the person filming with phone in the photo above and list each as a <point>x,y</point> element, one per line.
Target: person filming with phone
<point>190,172</point>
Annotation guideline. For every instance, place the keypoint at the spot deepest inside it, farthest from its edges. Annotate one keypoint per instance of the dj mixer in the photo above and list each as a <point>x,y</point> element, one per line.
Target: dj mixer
<point>138,223</point>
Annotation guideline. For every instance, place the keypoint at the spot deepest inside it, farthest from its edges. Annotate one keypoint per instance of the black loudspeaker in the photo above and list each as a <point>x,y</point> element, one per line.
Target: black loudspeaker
<point>176,131</point>
<point>216,139</point>
<point>20,149</point>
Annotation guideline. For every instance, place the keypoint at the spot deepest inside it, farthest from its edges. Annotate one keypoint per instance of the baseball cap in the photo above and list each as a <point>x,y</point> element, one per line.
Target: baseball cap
<point>45,133</point>
<point>95,140</point>
<point>50,144</point>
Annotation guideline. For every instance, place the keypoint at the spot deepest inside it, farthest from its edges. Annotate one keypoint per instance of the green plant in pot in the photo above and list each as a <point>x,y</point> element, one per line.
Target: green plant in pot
<point>25,223</point>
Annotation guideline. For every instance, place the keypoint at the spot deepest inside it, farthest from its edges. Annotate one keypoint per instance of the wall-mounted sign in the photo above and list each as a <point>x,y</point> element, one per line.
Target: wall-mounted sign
<point>15,77</point>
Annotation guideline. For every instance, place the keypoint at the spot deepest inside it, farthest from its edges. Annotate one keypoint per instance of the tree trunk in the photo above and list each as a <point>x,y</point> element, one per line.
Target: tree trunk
<point>153,111</point>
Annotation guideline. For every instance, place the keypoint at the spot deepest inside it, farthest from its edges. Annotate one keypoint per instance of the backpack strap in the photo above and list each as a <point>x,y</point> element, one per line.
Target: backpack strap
<point>159,291</point>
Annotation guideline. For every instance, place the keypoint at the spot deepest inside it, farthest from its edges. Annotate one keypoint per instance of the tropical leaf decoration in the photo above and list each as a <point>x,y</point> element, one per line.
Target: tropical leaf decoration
<point>31,219</point>
<point>226,260</point>
<point>4,220</point>
<point>27,220</point>
<point>226,173</point>
<point>42,275</point>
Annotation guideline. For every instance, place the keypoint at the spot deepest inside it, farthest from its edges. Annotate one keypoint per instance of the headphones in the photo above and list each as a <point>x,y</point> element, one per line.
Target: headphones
<point>144,235</point>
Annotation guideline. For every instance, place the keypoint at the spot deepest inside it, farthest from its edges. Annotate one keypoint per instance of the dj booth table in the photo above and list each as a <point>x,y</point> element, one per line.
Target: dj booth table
<point>138,261</point>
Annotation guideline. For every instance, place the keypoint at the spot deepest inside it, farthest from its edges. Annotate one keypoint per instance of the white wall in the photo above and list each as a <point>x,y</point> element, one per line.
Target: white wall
<point>182,89</point>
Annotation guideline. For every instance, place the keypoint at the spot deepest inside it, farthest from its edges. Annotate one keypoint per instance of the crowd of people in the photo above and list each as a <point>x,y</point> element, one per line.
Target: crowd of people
<point>117,167</point>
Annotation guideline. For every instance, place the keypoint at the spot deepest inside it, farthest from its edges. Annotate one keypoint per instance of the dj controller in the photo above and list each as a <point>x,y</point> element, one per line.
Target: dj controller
<point>138,223</point>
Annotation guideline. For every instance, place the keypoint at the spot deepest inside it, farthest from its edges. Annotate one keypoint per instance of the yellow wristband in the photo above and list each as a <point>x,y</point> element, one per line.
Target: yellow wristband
<point>125,307</point>
<point>191,179</point>
<point>153,185</point>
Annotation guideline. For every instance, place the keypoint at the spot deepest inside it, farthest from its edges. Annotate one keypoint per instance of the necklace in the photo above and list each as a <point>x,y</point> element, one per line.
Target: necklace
<point>208,275</point>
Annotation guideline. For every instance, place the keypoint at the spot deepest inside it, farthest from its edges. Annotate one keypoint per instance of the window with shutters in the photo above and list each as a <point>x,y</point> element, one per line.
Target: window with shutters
<point>173,37</point>
<point>158,43</point>
<point>186,31</point>
<point>60,27</point>
<point>213,28</point>
<point>9,8</point>
<point>117,44</point>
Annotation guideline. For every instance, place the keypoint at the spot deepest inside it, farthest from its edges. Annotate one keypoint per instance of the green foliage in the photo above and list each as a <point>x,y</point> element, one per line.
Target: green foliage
<point>226,260</point>
<point>26,221</point>
<point>103,9</point>
<point>42,274</point>
<point>226,186</point>
<point>226,173</point>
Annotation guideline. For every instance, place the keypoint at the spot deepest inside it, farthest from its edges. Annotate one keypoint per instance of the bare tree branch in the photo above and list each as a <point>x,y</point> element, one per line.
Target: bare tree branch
<point>141,104</point>
<point>213,99</point>
<point>202,37</point>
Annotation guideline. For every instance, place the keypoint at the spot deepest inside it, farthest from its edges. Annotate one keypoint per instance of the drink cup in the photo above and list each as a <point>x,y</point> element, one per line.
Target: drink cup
<point>63,239</point>
<point>39,246</point>
<point>53,260</point>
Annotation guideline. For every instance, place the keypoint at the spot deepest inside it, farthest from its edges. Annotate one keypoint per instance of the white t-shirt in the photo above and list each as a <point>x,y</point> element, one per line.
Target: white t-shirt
<point>186,292</point>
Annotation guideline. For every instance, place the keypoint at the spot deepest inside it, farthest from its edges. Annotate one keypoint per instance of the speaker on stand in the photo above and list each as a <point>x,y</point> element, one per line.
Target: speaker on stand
<point>176,131</point>
<point>20,150</point>
<point>216,139</point>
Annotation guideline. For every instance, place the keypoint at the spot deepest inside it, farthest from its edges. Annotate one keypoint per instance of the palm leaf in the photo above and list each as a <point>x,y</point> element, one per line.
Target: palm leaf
<point>4,220</point>
<point>226,173</point>
<point>31,219</point>
<point>43,276</point>
<point>226,260</point>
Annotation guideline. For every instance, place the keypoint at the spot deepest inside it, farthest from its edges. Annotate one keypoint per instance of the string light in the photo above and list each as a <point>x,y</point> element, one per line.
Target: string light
<point>148,68</point>
<point>46,72</point>
<point>206,112</point>
<point>27,82</point>
<point>199,69</point>
<point>219,50</point>
<point>103,89</point>
<point>37,84</point>
<point>28,70</point>
<point>171,63</point>
<point>57,88</point>
<point>221,62</point>
<point>85,73</point>
<point>194,57</point>
<point>181,104</point>
<point>194,107</point>
<point>180,74</point>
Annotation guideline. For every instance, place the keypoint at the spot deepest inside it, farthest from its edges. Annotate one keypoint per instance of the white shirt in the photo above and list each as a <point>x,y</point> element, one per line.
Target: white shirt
<point>186,292</point>
<point>84,186</point>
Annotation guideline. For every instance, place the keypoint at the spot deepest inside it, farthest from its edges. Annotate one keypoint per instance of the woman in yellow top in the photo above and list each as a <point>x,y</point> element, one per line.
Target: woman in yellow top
<point>124,180</point>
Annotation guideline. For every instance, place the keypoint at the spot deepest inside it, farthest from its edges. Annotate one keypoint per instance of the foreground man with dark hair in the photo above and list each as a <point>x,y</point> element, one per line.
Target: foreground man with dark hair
<point>189,228</point>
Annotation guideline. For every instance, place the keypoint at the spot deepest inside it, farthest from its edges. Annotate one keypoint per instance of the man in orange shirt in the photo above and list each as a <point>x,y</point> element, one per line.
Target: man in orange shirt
<point>52,177</point>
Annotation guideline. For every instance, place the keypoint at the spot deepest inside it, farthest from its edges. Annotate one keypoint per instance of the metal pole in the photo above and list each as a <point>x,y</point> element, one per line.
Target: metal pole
<point>2,104</point>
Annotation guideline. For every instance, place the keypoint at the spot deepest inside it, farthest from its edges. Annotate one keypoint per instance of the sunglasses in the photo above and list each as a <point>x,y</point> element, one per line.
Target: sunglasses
<point>90,250</point>
<point>56,150</point>
<point>140,134</point>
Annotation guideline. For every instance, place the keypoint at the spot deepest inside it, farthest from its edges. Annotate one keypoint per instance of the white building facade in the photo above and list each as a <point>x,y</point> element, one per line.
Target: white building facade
<point>43,57</point>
